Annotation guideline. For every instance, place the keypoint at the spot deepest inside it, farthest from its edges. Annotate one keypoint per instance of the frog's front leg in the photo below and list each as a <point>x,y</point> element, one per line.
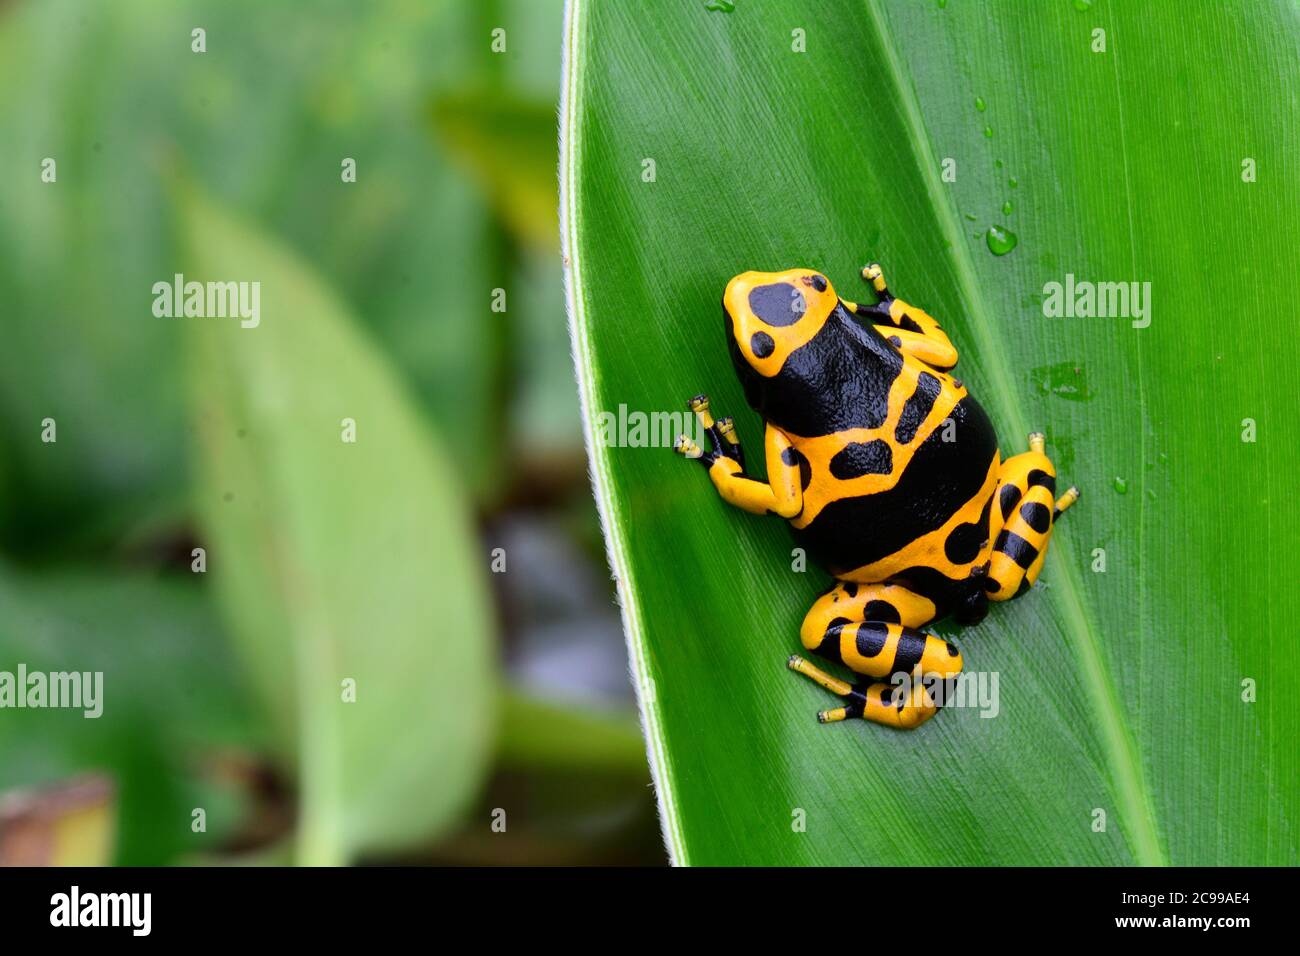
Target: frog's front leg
<point>1023,519</point>
<point>781,494</point>
<point>909,329</point>
<point>722,433</point>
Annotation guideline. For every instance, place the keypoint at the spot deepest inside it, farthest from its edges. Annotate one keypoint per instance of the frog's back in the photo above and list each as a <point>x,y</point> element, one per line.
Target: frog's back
<point>902,490</point>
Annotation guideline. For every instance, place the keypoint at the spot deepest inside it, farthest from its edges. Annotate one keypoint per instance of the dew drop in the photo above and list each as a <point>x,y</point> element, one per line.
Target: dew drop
<point>1013,182</point>
<point>980,104</point>
<point>1006,208</point>
<point>1083,5</point>
<point>720,6</point>
<point>988,132</point>
<point>1000,240</point>
<point>1121,485</point>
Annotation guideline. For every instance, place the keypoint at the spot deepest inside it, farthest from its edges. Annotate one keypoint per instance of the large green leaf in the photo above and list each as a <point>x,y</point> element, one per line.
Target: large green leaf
<point>337,560</point>
<point>1121,690</point>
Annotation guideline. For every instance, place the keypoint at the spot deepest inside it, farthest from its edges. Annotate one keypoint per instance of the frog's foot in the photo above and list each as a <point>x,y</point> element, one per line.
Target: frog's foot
<point>1070,497</point>
<point>895,705</point>
<point>730,440</point>
<point>686,447</point>
<point>876,276</point>
<point>1024,520</point>
<point>722,433</point>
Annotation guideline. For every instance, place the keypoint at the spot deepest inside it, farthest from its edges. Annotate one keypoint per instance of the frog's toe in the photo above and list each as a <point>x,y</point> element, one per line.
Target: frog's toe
<point>1070,497</point>
<point>876,276</point>
<point>687,448</point>
<point>1037,441</point>
<point>727,429</point>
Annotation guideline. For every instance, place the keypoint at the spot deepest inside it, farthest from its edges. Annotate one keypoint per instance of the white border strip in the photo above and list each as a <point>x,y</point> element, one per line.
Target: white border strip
<point>600,479</point>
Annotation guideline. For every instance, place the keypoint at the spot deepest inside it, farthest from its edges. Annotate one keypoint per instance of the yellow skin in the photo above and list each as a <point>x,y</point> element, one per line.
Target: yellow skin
<point>872,620</point>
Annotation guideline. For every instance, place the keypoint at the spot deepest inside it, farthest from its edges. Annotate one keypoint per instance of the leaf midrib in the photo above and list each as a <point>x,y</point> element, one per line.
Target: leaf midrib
<point>1127,779</point>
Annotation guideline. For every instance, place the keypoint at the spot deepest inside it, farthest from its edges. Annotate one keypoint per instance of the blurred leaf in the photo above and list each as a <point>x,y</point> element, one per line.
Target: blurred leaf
<point>171,696</point>
<point>338,561</point>
<point>1120,690</point>
<point>550,734</point>
<point>507,145</point>
<point>71,824</point>
<point>99,88</point>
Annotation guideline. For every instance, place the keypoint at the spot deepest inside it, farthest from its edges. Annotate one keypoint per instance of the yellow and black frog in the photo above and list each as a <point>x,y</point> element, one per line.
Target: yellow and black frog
<point>889,474</point>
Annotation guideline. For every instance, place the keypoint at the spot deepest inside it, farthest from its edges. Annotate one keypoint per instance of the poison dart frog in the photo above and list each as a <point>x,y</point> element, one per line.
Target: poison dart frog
<point>889,474</point>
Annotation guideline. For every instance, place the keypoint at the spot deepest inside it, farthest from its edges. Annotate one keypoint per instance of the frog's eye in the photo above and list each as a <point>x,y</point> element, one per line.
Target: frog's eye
<point>777,304</point>
<point>816,281</point>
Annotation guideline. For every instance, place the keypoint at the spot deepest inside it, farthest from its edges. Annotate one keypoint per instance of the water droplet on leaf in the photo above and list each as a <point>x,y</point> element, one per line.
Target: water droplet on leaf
<point>1001,240</point>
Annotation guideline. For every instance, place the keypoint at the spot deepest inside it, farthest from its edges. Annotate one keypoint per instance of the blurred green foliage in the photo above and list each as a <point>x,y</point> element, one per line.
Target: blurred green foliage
<point>204,677</point>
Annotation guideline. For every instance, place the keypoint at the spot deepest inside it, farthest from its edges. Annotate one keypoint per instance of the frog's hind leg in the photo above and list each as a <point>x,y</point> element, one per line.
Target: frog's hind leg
<point>903,706</point>
<point>875,630</point>
<point>1023,519</point>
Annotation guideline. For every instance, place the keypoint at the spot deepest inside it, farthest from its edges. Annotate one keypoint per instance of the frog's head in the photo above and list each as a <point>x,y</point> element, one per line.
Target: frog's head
<point>771,314</point>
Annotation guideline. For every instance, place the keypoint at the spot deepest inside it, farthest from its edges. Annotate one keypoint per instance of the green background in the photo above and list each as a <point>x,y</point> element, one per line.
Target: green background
<point>325,561</point>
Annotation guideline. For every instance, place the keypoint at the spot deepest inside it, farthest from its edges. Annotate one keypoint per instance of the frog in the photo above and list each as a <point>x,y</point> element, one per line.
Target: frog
<point>890,477</point>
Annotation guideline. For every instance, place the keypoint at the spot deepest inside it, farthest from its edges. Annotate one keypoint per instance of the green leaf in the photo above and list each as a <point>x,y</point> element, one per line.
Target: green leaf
<point>1120,691</point>
<point>547,734</point>
<point>507,145</point>
<point>170,694</point>
<point>337,561</point>
<point>100,89</point>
